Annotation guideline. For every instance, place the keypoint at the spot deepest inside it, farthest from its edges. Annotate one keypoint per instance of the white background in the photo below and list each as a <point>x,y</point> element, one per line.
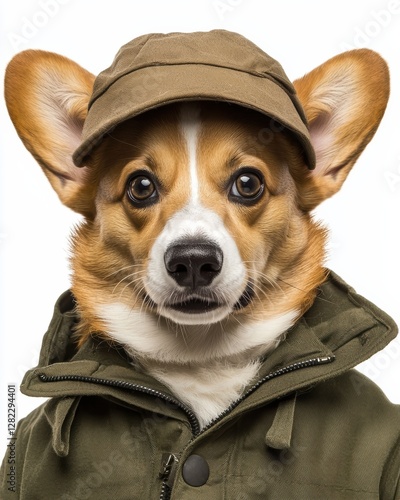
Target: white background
<point>363,218</point>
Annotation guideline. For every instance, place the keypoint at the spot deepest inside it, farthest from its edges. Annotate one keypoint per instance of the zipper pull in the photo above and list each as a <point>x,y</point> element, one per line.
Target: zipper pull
<point>325,359</point>
<point>169,464</point>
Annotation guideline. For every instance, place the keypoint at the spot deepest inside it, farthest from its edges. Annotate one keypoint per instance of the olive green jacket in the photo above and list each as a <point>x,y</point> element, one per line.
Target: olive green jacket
<point>310,428</point>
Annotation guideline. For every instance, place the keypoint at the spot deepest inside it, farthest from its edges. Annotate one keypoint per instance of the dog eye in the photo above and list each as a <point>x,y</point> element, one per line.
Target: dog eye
<point>247,186</point>
<point>141,190</point>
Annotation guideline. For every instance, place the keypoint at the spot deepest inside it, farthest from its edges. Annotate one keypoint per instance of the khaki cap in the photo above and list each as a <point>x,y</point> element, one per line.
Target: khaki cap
<point>157,69</point>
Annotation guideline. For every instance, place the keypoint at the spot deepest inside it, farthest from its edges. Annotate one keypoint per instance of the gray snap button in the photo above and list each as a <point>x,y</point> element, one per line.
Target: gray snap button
<point>195,471</point>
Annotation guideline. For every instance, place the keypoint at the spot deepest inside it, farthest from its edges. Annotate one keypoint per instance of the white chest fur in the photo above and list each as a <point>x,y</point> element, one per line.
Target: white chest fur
<point>209,390</point>
<point>205,366</point>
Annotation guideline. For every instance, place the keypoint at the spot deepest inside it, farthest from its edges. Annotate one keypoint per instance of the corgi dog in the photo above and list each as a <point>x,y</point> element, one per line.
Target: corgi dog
<point>198,250</point>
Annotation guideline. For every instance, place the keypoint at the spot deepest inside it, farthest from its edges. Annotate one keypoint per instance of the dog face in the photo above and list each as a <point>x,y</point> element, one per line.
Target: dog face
<point>203,205</point>
<point>198,241</point>
<point>189,224</point>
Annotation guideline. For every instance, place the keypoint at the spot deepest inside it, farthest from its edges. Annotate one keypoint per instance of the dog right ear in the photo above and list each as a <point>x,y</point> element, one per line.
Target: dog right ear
<point>47,98</point>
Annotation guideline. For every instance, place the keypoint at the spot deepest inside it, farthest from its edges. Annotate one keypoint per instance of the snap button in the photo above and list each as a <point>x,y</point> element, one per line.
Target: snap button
<point>195,471</point>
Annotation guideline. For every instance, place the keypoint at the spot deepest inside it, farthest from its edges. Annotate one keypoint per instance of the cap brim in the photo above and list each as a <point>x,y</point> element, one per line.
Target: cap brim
<point>154,86</point>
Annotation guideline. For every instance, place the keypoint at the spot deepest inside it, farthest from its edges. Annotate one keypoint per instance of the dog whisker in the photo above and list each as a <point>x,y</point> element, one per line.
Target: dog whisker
<point>134,283</point>
<point>127,277</point>
<point>257,290</point>
<point>122,269</point>
<point>184,334</point>
<point>272,283</point>
<point>292,286</point>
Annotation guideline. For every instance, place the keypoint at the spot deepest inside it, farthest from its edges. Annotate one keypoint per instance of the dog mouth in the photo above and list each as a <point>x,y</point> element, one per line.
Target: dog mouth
<point>201,305</point>
<point>246,297</point>
<point>195,306</point>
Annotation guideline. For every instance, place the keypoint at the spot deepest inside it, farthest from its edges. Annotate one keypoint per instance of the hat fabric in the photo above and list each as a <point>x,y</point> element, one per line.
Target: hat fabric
<point>157,69</point>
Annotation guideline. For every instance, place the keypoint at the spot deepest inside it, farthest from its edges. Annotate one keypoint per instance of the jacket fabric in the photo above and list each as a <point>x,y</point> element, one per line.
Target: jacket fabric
<point>311,427</point>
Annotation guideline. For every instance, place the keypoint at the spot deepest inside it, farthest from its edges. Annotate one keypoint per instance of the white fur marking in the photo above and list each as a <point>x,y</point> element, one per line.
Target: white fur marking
<point>191,222</point>
<point>190,126</point>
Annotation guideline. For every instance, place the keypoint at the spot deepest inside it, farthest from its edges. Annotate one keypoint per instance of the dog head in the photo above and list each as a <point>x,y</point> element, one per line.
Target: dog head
<point>197,240</point>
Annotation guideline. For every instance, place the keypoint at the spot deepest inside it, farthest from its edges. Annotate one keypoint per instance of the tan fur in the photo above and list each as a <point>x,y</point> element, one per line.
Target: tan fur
<point>47,97</point>
<point>344,98</point>
<point>280,244</point>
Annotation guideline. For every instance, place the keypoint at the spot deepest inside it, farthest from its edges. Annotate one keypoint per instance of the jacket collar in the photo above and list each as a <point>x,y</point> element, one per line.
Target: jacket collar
<point>341,327</point>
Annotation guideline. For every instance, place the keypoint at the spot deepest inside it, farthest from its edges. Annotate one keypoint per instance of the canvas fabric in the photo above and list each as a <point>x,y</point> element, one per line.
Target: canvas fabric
<point>157,69</point>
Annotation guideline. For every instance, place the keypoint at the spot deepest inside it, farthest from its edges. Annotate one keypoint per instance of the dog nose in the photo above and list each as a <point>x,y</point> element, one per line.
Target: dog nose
<point>193,264</point>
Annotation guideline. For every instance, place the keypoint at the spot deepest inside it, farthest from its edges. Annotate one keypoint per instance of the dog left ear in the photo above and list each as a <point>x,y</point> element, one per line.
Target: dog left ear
<point>344,100</point>
<point>47,97</point>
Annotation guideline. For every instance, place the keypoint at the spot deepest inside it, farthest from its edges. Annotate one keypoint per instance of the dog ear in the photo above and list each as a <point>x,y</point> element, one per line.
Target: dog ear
<point>47,97</point>
<point>344,100</point>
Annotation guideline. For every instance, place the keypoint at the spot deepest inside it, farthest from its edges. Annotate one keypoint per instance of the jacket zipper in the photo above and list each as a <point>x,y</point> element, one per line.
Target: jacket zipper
<point>166,490</point>
<point>194,423</point>
<point>281,371</point>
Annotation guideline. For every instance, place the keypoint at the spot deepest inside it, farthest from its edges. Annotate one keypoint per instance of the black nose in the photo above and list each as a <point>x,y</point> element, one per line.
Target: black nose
<point>193,264</point>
